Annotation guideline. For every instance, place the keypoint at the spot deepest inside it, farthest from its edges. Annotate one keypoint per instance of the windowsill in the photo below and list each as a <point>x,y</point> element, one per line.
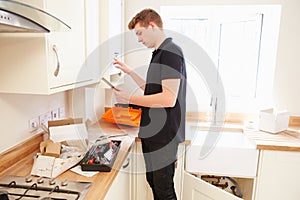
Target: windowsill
<point>230,118</point>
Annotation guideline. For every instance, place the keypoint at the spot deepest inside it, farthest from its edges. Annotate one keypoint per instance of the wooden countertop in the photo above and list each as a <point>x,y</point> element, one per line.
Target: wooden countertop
<point>101,181</point>
<point>288,140</point>
<point>285,141</point>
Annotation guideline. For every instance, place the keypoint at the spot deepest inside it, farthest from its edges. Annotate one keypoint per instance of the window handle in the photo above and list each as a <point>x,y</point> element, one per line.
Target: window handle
<point>216,104</point>
<point>211,100</point>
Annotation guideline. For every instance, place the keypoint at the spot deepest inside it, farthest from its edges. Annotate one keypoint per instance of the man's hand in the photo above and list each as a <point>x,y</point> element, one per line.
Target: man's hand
<point>121,96</point>
<point>122,66</point>
<point>138,80</point>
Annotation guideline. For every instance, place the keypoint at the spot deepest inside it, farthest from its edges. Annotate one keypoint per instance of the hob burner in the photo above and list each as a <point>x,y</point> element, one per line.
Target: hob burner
<point>23,188</point>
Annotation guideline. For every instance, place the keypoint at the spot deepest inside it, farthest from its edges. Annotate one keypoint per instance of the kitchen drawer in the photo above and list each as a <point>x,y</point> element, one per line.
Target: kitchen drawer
<point>195,188</point>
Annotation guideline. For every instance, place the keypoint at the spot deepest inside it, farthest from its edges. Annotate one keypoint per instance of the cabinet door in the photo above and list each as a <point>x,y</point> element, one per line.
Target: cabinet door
<point>36,71</point>
<point>179,170</point>
<point>115,32</point>
<point>141,189</point>
<point>196,189</point>
<point>278,175</point>
<point>92,39</point>
<point>112,39</point>
<point>120,188</point>
<point>67,49</point>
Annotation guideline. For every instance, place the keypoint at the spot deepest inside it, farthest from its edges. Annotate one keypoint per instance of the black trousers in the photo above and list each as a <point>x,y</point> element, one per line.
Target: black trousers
<point>160,168</point>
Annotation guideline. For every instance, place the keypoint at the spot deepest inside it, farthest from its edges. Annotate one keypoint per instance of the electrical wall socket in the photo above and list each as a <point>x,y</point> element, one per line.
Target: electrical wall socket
<point>61,112</point>
<point>55,114</point>
<point>44,118</point>
<point>33,124</point>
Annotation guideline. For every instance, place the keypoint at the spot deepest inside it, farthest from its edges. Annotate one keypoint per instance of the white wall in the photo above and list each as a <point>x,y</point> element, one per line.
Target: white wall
<point>86,102</point>
<point>287,73</point>
<point>17,109</point>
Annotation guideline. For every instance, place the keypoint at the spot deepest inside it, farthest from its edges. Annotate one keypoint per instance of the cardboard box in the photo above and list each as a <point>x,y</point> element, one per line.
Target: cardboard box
<point>67,132</point>
<point>272,121</point>
<point>63,122</point>
<point>49,148</point>
<point>70,135</point>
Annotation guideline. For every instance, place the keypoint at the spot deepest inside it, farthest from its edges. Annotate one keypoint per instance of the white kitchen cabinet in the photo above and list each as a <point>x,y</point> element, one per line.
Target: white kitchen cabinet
<point>227,160</point>
<point>131,183</point>
<point>196,189</point>
<point>121,188</point>
<point>47,63</point>
<point>278,175</point>
<point>180,164</point>
<point>112,39</point>
<point>141,189</point>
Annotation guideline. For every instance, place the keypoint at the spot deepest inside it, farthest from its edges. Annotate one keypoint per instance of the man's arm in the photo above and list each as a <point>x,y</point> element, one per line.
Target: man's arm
<point>167,98</point>
<point>138,80</point>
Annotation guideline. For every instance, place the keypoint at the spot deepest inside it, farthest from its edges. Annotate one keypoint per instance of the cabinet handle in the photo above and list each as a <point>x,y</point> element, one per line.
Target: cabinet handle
<point>126,164</point>
<point>54,48</point>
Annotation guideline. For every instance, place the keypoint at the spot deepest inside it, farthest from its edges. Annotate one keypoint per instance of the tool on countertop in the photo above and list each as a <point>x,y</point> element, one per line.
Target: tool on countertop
<point>111,136</point>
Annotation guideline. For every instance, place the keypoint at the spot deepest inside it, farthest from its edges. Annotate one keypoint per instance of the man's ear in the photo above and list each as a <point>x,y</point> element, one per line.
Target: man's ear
<point>152,24</point>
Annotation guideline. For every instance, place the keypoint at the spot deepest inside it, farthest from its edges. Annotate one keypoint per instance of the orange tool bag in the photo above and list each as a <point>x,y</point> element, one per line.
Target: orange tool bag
<point>123,115</point>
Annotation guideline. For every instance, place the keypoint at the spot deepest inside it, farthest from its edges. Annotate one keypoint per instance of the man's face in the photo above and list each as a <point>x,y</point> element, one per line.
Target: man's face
<point>145,35</point>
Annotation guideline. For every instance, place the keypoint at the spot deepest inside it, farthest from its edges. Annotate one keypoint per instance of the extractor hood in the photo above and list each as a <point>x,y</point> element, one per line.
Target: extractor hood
<point>20,17</point>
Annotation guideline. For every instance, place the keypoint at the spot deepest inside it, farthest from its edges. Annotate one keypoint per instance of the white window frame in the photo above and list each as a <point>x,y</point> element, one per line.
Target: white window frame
<point>267,58</point>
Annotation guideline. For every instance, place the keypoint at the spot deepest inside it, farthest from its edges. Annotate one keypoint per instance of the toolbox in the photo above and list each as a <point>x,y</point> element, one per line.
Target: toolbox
<point>101,156</point>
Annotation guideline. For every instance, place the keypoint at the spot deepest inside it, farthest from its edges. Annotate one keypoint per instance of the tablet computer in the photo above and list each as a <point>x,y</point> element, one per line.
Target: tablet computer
<point>108,83</point>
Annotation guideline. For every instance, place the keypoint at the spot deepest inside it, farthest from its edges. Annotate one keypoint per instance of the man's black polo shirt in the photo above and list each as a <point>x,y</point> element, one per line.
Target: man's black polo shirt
<point>162,125</point>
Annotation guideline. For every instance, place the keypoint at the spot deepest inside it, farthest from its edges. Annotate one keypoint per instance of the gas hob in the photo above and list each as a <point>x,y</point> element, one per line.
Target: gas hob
<point>24,188</point>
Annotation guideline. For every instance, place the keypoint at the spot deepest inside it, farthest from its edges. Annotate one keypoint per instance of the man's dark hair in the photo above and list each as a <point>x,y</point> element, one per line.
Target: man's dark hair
<point>145,17</point>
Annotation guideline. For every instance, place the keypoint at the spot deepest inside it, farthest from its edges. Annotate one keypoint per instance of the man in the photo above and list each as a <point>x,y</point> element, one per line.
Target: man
<point>163,104</point>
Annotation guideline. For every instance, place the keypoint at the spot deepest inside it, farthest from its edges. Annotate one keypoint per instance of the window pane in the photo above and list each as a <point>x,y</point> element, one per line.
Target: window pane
<point>241,41</point>
<point>239,49</point>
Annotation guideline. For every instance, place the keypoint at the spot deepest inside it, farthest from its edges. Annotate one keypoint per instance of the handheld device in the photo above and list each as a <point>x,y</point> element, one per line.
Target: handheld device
<point>108,83</point>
